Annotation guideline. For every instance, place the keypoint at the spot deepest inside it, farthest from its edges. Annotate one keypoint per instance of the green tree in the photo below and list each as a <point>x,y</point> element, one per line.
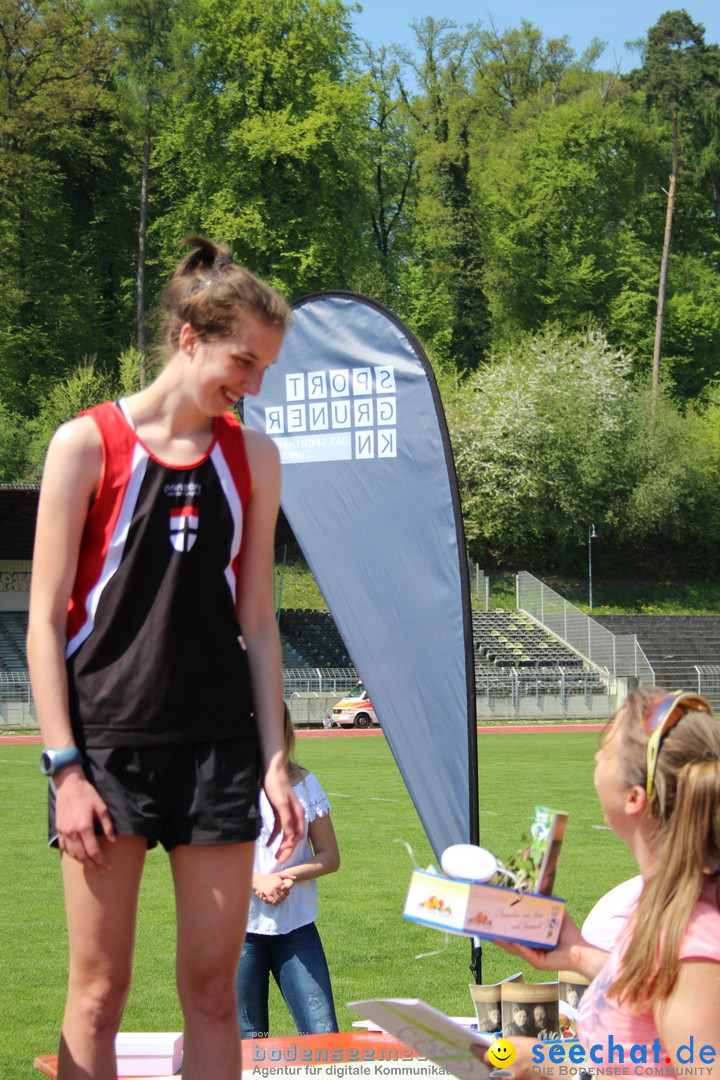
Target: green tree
<point>85,386</point>
<point>680,75</point>
<point>670,520</point>
<point>447,230</point>
<point>520,66</point>
<point>553,437</point>
<point>143,31</point>
<point>562,189</point>
<point>392,172</point>
<point>13,446</point>
<point>62,197</point>
<point>691,337</point>
<point>262,143</point>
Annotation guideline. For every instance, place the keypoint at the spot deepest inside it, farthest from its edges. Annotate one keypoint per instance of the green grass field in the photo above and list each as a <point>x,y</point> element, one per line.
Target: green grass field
<point>372,950</point>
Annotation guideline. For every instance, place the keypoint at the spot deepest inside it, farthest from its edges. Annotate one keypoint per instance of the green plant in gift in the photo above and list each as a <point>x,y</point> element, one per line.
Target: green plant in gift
<point>521,870</point>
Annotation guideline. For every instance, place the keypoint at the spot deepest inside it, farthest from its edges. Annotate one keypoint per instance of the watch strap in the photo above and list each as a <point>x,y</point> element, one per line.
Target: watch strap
<point>53,760</point>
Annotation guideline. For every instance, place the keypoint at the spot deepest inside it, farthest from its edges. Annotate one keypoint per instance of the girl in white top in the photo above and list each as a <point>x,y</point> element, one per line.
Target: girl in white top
<point>281,936</point>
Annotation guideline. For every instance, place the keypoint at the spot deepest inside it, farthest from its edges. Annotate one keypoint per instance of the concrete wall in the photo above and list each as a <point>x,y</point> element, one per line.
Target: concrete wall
<point>17,714</point>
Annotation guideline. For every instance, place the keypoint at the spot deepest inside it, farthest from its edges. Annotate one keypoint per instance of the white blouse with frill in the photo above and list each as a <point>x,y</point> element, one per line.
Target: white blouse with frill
<point>301,905</point>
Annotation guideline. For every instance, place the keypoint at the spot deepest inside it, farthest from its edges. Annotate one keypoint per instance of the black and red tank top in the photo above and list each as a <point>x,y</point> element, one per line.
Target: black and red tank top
<point>154,649</point>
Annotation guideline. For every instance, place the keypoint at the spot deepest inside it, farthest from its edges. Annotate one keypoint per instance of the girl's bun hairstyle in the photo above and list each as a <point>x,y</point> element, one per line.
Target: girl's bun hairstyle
<point>213,294</point>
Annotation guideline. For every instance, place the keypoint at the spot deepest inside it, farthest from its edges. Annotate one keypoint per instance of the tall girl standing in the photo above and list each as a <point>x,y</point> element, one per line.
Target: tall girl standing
<point>151,623</point>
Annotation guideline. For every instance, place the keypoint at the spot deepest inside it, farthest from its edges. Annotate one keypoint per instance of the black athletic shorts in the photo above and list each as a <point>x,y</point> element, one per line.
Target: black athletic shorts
<point>184,793</point>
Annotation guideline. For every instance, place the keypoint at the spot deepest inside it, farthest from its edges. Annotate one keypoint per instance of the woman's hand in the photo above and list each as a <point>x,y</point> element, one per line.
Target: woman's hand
<point>572,953</point>
<point>78,806</point>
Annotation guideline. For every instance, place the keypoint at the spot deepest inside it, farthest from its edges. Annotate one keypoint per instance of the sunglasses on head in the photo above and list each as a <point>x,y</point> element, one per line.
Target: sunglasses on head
<point>659,716</point>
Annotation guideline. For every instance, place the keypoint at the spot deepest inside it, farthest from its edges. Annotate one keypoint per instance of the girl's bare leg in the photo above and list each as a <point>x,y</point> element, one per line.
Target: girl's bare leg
<point>212,891</point>
<point>101,909</point>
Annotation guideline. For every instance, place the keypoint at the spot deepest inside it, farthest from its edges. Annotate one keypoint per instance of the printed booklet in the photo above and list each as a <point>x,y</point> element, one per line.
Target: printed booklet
<point>487,999</point>
<point>430,1033</point>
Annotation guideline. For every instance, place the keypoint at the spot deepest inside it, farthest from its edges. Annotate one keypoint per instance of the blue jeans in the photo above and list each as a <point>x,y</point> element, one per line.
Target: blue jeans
<point>297,962</point>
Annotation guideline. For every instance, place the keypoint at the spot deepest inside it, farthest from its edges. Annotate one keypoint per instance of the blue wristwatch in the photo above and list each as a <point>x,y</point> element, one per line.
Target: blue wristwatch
<point>51,761</point>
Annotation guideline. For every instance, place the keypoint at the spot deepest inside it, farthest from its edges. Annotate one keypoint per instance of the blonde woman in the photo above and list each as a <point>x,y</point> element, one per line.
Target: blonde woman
<point>657,777</point>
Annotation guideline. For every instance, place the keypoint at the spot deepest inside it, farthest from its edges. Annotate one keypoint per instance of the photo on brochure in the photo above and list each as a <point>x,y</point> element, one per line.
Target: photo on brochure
<point>571,987</point>
<point>530,1009</point>
<point>487,1002</point>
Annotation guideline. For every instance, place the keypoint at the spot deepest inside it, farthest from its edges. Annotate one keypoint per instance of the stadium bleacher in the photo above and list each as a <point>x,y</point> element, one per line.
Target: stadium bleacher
<point>313,638</point>
<point>13,631</point>
<point>513,654</point>
<point>513,639</point>
<point>516,656</point>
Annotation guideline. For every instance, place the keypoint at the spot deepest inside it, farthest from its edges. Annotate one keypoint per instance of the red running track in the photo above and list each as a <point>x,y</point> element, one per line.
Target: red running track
<point>360,733</point>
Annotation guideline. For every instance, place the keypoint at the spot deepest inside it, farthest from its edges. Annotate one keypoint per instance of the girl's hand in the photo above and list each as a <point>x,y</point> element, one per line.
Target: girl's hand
<point>77,807</point>
<point>273,888</point>
<point>572,953</point>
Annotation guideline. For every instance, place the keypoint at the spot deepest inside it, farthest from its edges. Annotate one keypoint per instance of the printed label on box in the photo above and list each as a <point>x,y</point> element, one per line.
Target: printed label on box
<point>485,911</point>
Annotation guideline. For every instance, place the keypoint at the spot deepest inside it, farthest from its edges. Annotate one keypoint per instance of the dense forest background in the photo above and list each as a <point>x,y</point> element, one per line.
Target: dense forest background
<point>549,230</point>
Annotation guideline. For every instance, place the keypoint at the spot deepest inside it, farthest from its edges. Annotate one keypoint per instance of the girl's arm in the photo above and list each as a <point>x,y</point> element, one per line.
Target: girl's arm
<point>71,476</point>
<point>260,632</point>
<point>326,854</point>
<point>690,1018</point>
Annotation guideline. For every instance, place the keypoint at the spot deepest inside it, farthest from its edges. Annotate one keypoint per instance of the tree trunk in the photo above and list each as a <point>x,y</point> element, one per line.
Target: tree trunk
<point>664,266</point>
<point>142,238</point>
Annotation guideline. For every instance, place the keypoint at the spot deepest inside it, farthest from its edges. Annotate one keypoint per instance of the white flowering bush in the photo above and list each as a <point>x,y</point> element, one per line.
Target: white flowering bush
<point>552,437</point>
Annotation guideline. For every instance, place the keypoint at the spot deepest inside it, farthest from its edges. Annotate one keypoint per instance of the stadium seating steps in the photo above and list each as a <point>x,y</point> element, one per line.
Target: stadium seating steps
<point>673,644</point>
<point>13,631</point>
<point>310,638</point>
<point>506,643</point>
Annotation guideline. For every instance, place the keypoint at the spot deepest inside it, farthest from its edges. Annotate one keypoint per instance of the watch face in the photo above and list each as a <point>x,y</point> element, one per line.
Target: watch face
<point>46,763</point>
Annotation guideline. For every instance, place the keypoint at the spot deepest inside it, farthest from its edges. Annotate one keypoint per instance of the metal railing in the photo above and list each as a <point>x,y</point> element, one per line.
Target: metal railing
<point>618,654</point>
<point>479,583</point>
<point>514,683</point>
<point>15,686</point>
<point>319,680</point>
<point>708,682</point>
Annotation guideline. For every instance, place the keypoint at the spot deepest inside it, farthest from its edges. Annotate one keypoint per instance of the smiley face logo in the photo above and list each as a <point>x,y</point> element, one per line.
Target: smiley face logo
<point>501,1053</point>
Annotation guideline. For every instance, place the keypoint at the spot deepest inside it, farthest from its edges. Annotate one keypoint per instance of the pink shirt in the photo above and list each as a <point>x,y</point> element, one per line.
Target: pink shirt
<point>607,1027</point>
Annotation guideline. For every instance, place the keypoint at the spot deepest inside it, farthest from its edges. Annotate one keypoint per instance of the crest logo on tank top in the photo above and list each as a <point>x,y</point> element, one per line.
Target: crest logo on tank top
<point>184,521</point>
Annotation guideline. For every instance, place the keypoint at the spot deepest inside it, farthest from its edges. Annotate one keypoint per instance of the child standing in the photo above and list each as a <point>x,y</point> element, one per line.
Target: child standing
<point>282,937</point>
<point>151,622</point>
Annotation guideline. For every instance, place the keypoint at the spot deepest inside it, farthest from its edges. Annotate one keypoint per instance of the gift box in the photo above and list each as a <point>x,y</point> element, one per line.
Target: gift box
<point>485,911</point>
<point>148,1053</point>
